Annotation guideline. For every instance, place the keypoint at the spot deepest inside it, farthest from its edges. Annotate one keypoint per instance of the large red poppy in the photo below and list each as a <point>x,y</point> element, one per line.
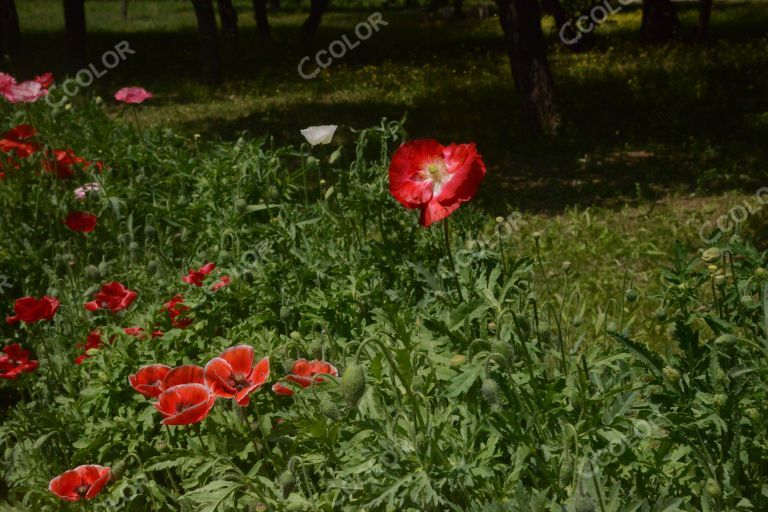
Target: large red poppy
<point>305,373</point>
<point>185,404</point>
<point>187,374</point>
<point>83,482</point>
<point>30,310</point>
<point>148,380</point>
<point>233,374</point>
<point>14,361</point>
<point>196,277</point>
<point>112,296</point>
<point>15,141</point>
<point>82,222</point>
<point>435,179</point>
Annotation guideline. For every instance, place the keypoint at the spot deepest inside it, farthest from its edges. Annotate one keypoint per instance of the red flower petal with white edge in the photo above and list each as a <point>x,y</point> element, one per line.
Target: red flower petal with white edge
<point>187,374</point>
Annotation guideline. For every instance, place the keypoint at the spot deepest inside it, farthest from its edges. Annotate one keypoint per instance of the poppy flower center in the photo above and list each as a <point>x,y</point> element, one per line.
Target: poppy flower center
<point>82,489</point>
<point>183,406</point>
<point>436,172</point>
<point>238,380</point>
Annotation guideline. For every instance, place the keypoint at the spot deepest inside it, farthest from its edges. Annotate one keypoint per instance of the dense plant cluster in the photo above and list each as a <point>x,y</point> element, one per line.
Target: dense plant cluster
<point>307,345</point>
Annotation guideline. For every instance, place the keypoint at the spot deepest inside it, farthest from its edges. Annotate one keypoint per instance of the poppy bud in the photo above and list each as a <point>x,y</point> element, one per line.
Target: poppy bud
<point>612,326</point>
<point>316,349</point>
<point>287,483</point>
<point>285,313</point>
<point>726,339</point>
<point>720,280</point>
<point>288,365</point>
<point>353,385</point>
<point>671,374</point>
<point>719,400</point>
<point>92,271</point>
<point>761,273</point>
<point>153,267</point>
<point>660,314</point>
<point>492,326</point>
<point>240,204</point>
<point>752,414</point>
<point>746,300</point>
<point>296,336</point>
<point>499,220</point>
<point>224,256</point>
<point>161,446</point>
<point>503,349</point>
<point>577,321</point>
<point>123,239</point>
<point>566,266</point>
<point>330,410</point>
<point>583,502</point>
<point>536,236</point>
<point>458,360</point>
<point>631,295</point>
<point>711,255</point>
<point>150,232</point>
<point>133,247</point>
<point>182,201</point>
<point>104,268</point>
<point>713,488</point>
<point>490,391</point>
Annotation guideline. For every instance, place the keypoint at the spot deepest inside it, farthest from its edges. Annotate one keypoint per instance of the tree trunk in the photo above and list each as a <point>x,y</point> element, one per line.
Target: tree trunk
<point>124,9</point>
<point>317,8</point>
<point>566,32</point>
<point>660,22</point>
<point>10,33</point>
<point>263,29</point>
<point>228,16</point>
<point>521,22</point>
<point>274,5</point>
<point>705,11</point>
<point>74,28</point>
<point>209,41</point>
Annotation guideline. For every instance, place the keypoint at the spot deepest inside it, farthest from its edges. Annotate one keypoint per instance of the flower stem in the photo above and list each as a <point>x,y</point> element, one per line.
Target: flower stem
<point>447,237</point>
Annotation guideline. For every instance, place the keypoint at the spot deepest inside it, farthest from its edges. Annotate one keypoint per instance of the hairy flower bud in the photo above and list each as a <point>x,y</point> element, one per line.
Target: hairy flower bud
<point>583,502</point>
<point>490,391</point>
<point>711,255</point>
<point>92,271</point>
<point>287,483</point>
<point>713,488</point>
<point>353,385</point>
<point>671,374</point>
<point>631,295</point>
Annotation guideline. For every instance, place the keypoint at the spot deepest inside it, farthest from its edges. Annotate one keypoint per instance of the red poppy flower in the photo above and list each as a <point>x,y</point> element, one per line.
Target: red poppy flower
<point>187,374</point>
<point>30,310</point>
<point>433,178</point>
<point>14,361</point>
<point>185,404</point>
<point>138,332</point>
<point>83,482</point>
<point>64,163</point>
<point>233,374</point>
<point>176,309</point>
<point>305,373</point>
<point>14,141</point>
<point>148,380</point>
<point>196,277</point>
<point>82,222</point>
<point>93,342</point>
<point>223,282</point>
<point>112,296</point>
<point>45,80</point>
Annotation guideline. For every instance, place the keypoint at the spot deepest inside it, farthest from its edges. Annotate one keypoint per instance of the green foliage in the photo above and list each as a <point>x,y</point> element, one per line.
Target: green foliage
<point>502,402</point>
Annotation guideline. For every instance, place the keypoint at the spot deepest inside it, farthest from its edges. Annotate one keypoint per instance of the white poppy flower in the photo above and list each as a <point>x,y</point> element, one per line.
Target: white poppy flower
<point>319,134</point>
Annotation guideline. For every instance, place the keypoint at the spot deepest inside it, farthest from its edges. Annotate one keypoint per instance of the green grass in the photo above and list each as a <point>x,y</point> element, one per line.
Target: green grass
<point>639,119</point>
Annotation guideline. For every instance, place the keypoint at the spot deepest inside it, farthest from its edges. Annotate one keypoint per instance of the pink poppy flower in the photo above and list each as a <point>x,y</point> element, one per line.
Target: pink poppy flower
<point>81,193</point>
<point>223,282</point>
<point>132,95</point>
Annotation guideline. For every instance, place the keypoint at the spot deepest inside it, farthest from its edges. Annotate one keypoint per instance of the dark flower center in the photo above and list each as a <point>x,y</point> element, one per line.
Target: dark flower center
<point>82,489</point>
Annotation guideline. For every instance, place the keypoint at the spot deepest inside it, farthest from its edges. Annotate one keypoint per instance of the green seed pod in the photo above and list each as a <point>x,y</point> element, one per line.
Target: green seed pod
<point>161,446</point>
<point>92,271</point>
<point>536,235</point>
<point>660,315</point>
<point>631,295</point>
<point>285,313</point>
<point>150,233</point>
<point>240,204</point>
<point>224,257</point>
<point>566,266</point>
<point>612,326</point>
<point>713,488</point>
<point>490,391</point>
<point>124,239</point>
<point>458,360</point>
<point>492,326</point>
<point>353,385</point>
<point>133,247</point>
<point>577,321</point>
<point>153,267</point>
<point>287,483</point>
<point>761,273</point>
<point>671,374</point>
<point>504,349</point>
<point>296,336</point>
<point>752,414</point>
<point>103,268</point>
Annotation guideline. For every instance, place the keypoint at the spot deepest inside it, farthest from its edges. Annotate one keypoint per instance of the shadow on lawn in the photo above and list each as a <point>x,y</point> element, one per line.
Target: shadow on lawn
<point>639,120</point>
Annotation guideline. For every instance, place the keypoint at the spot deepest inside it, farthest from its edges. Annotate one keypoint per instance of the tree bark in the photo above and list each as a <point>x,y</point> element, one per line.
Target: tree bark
<point>74,29</point>
<point>274,5</point>
<point>124,9</point>
<point>263,30</point>
<point>209,41</point>
<point>521,22</point>
<point>705,11</point>
<point>317,8</point>
<point>10,33</point>
<point>228,16</point>
<point>660,22</point>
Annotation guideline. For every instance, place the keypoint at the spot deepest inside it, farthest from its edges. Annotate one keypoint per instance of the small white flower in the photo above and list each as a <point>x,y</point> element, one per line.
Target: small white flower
<point>319,134</point>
